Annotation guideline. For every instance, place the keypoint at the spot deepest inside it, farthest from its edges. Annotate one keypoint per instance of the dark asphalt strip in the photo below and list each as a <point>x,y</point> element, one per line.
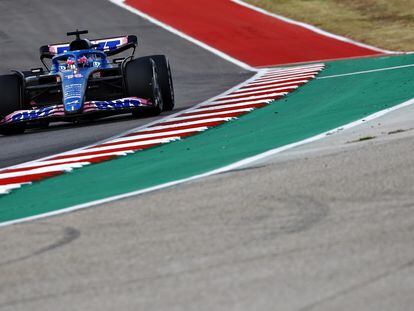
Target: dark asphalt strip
<point>28,24</point>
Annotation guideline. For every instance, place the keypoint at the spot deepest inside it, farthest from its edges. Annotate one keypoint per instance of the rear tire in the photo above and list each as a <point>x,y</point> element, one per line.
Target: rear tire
<point>142,81</point>
<point>165,80</point>
<point>10,101</point>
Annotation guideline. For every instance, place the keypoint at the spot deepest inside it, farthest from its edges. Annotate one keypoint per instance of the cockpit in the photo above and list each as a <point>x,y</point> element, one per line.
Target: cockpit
<point>79,60</point>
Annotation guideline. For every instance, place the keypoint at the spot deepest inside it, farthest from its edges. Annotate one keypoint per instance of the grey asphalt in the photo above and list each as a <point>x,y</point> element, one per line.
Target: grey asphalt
<point>27,24</point>
<point>326,226</point>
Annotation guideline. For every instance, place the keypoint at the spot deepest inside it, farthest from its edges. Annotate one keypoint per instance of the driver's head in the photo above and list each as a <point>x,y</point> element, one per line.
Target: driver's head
<point>83,61</point>
<point>70,63</point>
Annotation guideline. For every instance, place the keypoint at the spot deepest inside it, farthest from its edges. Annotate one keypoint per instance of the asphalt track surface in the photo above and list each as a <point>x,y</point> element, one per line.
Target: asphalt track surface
<point>26,25</point>
<point>327,226</point>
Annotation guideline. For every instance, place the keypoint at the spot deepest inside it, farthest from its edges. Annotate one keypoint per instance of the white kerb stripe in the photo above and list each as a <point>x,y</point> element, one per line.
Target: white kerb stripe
<point>130,145</point>
<point>154,135</point>
<point>260,101</point>
<point>282,80</point>
<point>270,77</point>
<point>198,122</point>
<point>294,87</point>
<point>292,71</point>
<point>206,115</point>
<point>47,169</point>
<point>84,159</point>
<point>7,188</point>
<point>269,86</point>
<point>212,108</point>
<point>279,69</point>
<point>237,100</point>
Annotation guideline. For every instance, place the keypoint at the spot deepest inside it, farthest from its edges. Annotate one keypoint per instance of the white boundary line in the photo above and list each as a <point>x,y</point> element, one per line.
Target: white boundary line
<point>313,28</point>
<point>364,72</point>
<point>209,48</point>
<point>223,169</point>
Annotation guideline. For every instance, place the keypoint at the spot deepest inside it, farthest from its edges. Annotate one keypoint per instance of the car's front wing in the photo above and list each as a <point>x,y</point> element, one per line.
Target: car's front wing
<point>57,112</point>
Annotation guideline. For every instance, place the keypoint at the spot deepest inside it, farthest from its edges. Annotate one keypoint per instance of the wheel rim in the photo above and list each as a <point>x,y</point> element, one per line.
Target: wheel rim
<point>157,92</point>
<point>170,82</point>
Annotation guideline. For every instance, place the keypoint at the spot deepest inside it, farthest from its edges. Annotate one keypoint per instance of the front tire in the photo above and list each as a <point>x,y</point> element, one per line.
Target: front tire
<point>10,101</point>
<point>141,79</point>
<point>165,80</point>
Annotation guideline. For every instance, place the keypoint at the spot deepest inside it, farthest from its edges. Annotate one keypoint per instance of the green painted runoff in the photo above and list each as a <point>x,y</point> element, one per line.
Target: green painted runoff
<point>319,106</point>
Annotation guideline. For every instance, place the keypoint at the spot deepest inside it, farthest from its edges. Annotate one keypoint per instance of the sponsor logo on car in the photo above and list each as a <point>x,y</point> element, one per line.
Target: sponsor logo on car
<point>72,90</point>
<point>32,114</point>
<point>78,75</point>
<point>118,104</point>
<point>73,102</point>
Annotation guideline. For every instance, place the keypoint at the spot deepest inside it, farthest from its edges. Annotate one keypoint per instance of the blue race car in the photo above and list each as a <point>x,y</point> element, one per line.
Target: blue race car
<point>84,83</point>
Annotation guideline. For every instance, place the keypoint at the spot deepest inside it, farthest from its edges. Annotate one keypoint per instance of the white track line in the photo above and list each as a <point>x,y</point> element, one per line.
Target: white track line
<point>313,28</point>
<point>223,169</point>
<point>209,48</point>
<point>366,71</point>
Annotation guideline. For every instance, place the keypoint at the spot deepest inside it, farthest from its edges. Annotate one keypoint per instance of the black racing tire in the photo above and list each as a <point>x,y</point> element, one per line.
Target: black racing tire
<point>12,129</point>
<point>165,80</point>
<point>142,81</point>
<point>10,100</point>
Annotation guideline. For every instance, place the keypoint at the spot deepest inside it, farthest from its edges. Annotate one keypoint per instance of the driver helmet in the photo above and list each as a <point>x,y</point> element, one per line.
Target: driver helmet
<point>83,61</point>
<point>70,63</point>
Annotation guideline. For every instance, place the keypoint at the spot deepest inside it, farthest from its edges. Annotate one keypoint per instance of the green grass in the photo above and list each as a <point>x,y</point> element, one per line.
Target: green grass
<point>381,23</point>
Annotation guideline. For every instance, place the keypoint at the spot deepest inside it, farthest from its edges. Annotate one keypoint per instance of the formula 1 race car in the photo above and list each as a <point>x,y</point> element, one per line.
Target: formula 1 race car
<point>83,83</point>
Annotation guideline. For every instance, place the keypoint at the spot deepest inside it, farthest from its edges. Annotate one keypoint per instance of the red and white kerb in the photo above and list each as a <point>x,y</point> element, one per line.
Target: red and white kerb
<point>267,86</point>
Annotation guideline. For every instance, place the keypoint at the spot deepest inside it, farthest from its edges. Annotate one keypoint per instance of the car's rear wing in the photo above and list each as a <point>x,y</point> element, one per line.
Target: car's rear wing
<point>111,46</point>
